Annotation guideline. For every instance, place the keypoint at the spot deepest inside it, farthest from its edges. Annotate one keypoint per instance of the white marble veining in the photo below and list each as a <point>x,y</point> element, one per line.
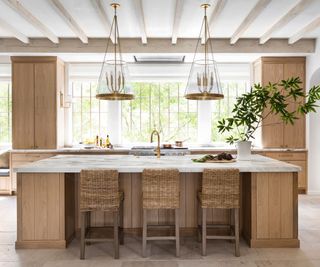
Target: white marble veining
<point>134,164</point>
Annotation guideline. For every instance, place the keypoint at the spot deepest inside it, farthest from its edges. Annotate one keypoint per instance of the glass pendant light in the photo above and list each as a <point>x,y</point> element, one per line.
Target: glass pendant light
<point>204,82</point>
<point>114,74</point>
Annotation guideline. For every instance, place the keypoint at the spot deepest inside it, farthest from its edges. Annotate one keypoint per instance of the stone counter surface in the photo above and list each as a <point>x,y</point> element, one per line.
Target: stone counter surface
<point>193,149</point>
<point>134,164</point>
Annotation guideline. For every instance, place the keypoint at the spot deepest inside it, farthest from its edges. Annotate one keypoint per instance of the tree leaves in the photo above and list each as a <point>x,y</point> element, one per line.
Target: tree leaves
<point>248,112</point>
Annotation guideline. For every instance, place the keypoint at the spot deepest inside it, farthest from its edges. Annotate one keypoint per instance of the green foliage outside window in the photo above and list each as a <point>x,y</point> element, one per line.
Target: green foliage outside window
<point>161,106</point>
<point>5,113</point>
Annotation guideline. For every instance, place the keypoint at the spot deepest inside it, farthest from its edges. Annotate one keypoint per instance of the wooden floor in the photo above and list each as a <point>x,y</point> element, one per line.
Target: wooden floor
<point>220,253</point>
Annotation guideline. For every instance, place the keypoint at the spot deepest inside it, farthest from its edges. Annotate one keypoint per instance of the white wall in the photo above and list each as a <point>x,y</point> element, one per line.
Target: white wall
<point>313,121</point>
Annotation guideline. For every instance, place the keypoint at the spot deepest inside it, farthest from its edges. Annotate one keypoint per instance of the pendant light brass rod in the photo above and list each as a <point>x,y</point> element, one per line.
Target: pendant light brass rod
<point>106,51</point>
<point>115,47</point>
<point>205,43</point>
<point>194,56</point>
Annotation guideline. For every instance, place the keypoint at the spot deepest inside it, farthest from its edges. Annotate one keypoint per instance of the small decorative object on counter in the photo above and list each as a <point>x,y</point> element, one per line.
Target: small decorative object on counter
<point>97,140</point>
<point>108,142</point>
<point>222,157</point>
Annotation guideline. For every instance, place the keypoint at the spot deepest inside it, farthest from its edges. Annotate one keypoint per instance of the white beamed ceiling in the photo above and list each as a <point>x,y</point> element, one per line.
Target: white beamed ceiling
<point>159,18</point>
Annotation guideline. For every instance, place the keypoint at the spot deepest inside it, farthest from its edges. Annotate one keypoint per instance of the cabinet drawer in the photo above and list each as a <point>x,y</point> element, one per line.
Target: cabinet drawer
<point>29,157</point>
<point>287,155</point>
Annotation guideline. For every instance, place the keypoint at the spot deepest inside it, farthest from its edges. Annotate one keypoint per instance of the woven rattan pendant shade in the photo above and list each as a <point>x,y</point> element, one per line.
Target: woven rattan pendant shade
<point>204,82</point>
<point>113,80</point>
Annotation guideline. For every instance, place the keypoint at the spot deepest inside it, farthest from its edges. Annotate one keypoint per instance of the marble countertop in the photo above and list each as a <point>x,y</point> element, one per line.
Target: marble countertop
<point>128,149</point>
<point>134,164</point>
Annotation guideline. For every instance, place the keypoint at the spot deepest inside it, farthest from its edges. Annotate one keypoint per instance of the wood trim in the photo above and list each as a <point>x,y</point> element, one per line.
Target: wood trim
<point>33,59</point>
<point>282,59</point>
<point>28,16</point>
<point>249,19</point>
<point>176,20</point>
<point>141,20</point>
<point>55,244</point>
<point>295,205</point>
<point>15,32</point>
<point>156,45</point>
<point>274,243</point>
<point>305,30</point>
<point>69,20</point>
<point>285,19</point>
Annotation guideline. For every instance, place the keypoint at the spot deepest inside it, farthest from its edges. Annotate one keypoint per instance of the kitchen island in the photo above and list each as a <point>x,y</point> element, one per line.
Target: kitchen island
<point>48,206</point>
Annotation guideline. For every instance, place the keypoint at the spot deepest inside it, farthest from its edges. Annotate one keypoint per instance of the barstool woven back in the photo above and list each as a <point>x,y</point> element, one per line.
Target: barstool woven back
<point>99,190</point>
<point>220,188</point>
<point>160,188</point>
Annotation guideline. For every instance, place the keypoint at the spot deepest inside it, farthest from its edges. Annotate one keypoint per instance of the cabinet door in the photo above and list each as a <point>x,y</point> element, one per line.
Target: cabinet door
<point>302,176</point>
<point>45,105</point>
<point>272,126</point>
<point>22,105</point>
<point>294,135</point>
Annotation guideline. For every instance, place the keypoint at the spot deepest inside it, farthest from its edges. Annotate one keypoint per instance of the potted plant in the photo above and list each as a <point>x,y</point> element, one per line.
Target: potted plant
<point>262,101</point>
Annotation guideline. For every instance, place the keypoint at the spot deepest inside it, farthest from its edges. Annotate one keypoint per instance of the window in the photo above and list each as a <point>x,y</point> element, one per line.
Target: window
<point>161,106</point>
<point>5,113</point>
<point>89,115</point>
<point>159,102</point>
<point>223,108</point>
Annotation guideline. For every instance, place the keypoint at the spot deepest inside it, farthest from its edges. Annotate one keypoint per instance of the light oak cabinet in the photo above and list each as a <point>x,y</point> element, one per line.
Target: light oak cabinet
<point>275,133</point>
<point>37,83</point>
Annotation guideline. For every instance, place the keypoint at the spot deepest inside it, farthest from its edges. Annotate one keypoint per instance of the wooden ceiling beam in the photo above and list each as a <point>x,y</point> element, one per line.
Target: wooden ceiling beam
<point>177,19</point>
<point>249,19</point>
<point>98,6</point>
<point>285,19</point>
<point>155,45</point>
<point>305,30</point>
<point>216,11</point>
<point>28,16</point>
<point>140,17</point>
<point>20,36</point>
<point>67,17</point>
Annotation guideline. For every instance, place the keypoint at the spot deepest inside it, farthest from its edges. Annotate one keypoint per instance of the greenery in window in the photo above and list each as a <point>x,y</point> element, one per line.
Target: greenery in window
<point>161,106</point>
<point>5,113</point>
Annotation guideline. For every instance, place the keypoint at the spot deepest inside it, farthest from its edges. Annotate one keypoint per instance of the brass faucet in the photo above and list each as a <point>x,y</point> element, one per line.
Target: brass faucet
<point>158,136</point>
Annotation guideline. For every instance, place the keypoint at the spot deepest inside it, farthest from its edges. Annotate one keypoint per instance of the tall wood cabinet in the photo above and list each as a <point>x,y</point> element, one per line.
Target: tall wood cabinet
<point>275,133</point>
<point>37,115</point>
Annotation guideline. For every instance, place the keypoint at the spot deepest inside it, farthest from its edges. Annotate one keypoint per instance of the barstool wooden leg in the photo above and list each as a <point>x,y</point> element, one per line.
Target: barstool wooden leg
<point>177,232</point>
<point>82,235</point>
<point>199,222</point>
<point>144,234</point>
<point>204,231</point>
<point>116,234</point>
<point>237,234</point>
<point>121,224</point>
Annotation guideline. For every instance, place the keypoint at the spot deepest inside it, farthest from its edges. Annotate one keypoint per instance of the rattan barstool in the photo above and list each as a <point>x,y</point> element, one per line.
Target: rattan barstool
<point>99,191</point>
<point>220,190</point>
<point>160,190</point>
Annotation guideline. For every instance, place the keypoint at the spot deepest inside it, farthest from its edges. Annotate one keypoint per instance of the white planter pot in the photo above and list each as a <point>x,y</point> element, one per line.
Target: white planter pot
<point>244,150</point>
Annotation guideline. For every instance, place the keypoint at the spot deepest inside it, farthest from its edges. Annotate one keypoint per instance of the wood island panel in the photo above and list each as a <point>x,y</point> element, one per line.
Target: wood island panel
<point>48,208</point>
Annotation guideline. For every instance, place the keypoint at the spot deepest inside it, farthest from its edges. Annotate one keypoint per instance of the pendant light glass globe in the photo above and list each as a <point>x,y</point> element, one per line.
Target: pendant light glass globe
<point>113,80</point>
<point>204,82</point>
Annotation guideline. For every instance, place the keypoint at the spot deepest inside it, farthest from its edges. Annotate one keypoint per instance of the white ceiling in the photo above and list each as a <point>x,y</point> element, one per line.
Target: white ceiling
<point>159,18</point>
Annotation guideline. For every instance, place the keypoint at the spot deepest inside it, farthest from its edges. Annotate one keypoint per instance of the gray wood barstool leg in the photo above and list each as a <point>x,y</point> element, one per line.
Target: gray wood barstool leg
<point>121,224</point>
<point>116,234</point>
<point>144,234</point>
<point>204,231</point>
<point>237,234</point>
<point>82,235</point>
<point>177,232</point>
